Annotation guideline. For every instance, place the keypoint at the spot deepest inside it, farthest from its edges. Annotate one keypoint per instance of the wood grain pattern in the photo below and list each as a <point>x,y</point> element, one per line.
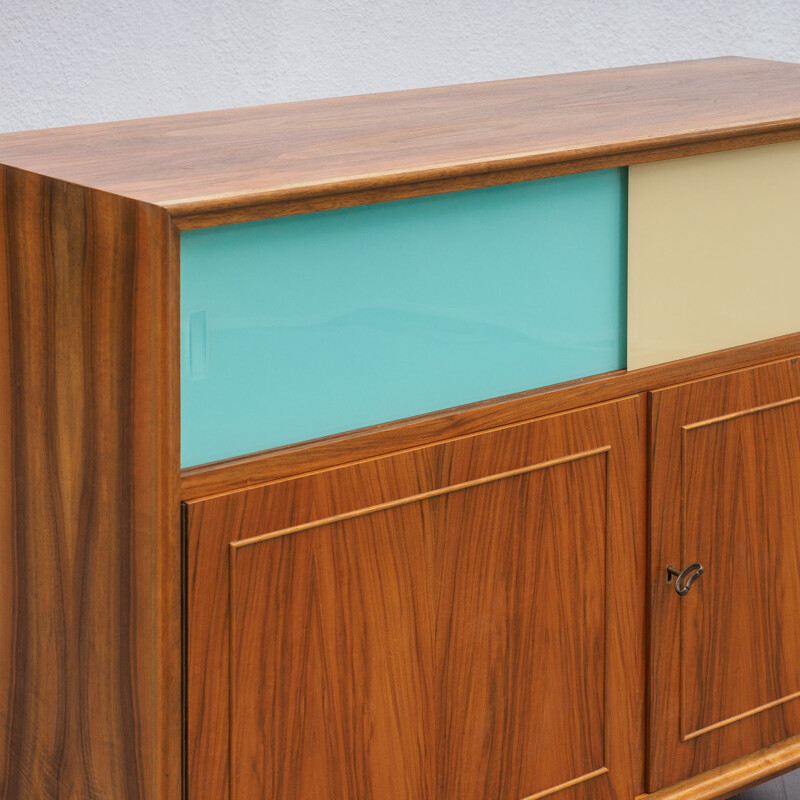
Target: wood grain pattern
<point>737,662</point>
<point>433,559</point>
<point>417,634</point>
<point>6,501</point>
<point>435,693</point>
<point>202,166</point>
<point>190,219</point>
<point>727,781</point>
<point>511,579</point>
<point>725,659</point>
<point>259,468</point>
<point>90,693</point>
<point>327,700</point>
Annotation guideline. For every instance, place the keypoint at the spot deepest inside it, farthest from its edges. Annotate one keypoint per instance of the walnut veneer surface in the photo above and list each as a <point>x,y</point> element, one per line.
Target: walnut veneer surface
<point>93,573</point>
<point>216,162</point>
<point>725,662</point>
<point>90,658</point>
<point>441,623</point>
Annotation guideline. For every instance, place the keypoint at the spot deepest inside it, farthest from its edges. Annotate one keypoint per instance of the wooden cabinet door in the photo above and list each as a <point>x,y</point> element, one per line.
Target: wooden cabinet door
<point>725,491</point>
<point>461,620</point>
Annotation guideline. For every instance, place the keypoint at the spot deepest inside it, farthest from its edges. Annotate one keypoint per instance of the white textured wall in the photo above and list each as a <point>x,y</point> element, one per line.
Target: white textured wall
<point>71,61</point>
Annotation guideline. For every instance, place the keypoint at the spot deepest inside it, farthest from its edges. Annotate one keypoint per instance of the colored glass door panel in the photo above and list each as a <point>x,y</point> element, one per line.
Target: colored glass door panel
<point>300,327</point>
<point>714,256</point>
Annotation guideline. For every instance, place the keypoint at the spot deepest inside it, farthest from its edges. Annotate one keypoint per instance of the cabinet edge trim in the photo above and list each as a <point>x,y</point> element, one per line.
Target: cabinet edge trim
<point>730,779</point>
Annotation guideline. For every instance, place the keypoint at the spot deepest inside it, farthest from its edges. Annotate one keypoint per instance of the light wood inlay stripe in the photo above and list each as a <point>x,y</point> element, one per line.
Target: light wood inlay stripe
<point>726,781</point>
<point>417,497</point>
<point>746,412</point>
<point>568,784</point>
<point>749,713</point>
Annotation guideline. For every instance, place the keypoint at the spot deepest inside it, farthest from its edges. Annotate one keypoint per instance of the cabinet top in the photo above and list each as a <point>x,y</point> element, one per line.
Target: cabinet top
<point>220,166</point>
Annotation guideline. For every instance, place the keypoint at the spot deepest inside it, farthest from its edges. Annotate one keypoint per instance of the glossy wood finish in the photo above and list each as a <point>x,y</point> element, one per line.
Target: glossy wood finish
<point>283,462</point>
<point>725,659</point>
<point>213,167</point>
<point>188,219</point>
<point>727,781</point>
<point>455,621</point>
<point>90,659</point>
<point>90,633</point>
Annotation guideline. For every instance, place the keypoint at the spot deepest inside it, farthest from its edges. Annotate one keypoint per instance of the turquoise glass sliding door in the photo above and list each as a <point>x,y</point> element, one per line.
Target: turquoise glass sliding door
<point>299,327</point>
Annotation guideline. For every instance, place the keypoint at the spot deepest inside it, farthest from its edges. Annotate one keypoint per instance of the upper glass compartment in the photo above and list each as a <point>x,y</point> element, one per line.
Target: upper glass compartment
<point>300,327</point>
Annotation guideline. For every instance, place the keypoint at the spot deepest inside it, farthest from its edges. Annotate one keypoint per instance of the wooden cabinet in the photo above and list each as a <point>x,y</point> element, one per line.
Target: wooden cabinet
<point>725,492</point>
<point>457,621</point>
<point>432,582</point>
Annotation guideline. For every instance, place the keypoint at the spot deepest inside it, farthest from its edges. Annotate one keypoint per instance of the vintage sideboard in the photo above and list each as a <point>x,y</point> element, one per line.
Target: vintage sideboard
<point>429,445</point>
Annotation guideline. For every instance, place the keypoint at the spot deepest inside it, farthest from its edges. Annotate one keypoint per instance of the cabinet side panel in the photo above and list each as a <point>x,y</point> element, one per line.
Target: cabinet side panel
<point>6,540</point>
<point>714,252</point>
<point>90,649</point>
